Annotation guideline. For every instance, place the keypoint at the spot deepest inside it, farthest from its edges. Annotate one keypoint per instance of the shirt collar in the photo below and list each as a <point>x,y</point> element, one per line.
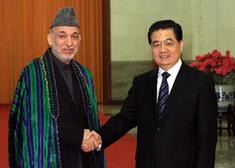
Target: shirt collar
<point>62,66</point>
<point>173,71</point>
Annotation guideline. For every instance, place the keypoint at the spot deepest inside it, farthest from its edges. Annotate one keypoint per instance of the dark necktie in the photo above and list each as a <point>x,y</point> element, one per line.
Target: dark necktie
<point>163,93</point>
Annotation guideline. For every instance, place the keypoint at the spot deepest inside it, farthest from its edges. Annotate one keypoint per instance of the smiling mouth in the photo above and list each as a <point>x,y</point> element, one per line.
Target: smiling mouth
<point>163,56</point>
<point>68,50</point>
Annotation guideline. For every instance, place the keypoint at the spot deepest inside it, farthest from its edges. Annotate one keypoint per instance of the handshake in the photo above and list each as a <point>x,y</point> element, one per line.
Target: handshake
<point>91,141</point>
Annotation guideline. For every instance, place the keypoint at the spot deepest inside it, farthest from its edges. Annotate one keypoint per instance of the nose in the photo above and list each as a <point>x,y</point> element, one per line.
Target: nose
<point>69,41</point>
<point>163,47</point>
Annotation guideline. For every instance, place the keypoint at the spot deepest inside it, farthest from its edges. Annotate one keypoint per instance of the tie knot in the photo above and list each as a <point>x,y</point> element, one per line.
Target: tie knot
<point>165,75</point>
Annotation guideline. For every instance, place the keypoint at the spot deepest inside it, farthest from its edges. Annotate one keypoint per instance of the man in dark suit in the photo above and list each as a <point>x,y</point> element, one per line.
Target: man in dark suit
<point>175,114</point>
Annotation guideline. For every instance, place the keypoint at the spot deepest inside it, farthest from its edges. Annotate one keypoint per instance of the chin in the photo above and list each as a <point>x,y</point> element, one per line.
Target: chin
<point>65,58</point>
<point>68,58</point>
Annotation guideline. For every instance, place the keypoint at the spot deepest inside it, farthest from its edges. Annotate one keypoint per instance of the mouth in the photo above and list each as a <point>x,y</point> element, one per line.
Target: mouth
<point>68,50</point>
<point>164,56</point>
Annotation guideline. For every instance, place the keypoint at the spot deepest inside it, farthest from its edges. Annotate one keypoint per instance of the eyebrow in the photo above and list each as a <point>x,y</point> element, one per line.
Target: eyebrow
<point>75,33</point>
<point>63,32</point>
<point>163,40</point>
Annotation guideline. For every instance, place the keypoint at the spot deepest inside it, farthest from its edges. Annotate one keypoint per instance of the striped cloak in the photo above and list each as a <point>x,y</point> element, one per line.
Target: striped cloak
<point>33,131</point>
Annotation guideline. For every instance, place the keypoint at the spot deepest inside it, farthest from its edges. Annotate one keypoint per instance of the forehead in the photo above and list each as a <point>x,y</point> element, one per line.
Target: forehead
<point>163,34</point>
<point>65,29</point>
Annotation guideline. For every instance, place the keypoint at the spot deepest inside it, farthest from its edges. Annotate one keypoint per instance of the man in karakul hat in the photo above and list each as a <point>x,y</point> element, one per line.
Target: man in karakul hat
<point>55,107</point>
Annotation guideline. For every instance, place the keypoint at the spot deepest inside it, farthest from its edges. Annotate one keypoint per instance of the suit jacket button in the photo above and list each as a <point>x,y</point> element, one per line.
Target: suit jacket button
<point>158,129</point>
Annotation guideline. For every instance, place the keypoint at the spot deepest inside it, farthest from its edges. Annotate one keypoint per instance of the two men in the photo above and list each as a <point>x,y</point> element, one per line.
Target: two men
<point>54,106</point>
<point>173,106</point>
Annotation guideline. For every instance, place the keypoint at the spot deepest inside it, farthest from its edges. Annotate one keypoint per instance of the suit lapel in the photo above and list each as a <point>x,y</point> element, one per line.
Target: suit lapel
<point>177,88</point>
<point>152,92</point>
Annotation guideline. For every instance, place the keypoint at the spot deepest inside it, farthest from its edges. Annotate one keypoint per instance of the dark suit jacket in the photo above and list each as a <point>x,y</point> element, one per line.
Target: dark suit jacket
<point>186,135</point>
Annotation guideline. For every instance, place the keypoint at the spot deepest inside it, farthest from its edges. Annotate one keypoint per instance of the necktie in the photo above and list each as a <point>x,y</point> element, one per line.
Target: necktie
<point>163,93</point>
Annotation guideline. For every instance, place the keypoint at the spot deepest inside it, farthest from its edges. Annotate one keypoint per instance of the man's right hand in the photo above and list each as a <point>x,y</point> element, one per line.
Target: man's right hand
<point>91,141</point>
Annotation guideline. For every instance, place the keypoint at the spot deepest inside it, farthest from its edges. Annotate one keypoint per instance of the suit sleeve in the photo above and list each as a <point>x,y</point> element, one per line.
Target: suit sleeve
<point>122,122</point>
<point>207,125</point>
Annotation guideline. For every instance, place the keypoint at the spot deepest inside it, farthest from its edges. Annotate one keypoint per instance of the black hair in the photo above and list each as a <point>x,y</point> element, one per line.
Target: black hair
<point>166,24</point>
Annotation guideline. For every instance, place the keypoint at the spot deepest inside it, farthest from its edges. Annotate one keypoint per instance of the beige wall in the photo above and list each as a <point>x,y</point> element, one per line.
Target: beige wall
<point>207,24</point>
<point>213,26</point>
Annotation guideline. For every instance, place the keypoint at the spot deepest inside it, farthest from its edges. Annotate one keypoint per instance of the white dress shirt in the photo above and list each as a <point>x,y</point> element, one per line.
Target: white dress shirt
<point>171,79</point>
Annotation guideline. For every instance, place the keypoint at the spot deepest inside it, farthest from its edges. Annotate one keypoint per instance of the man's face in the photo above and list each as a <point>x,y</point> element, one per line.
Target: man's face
<point>166,49</point>
<point>64,41</point>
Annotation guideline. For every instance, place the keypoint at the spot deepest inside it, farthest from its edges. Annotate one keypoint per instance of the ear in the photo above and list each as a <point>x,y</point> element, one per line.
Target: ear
<point>49,39</point>
<point>181,46</point>
<point>80,37</point>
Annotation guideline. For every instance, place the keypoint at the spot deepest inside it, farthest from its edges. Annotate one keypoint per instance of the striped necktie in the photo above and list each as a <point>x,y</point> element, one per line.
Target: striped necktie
<point>163,93</point>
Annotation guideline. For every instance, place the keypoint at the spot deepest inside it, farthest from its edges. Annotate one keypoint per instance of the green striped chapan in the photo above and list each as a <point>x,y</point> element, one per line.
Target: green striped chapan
<point>33,133</point>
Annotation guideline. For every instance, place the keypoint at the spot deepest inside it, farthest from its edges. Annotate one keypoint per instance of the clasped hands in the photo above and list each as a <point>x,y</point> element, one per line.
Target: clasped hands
<point>91,141</point>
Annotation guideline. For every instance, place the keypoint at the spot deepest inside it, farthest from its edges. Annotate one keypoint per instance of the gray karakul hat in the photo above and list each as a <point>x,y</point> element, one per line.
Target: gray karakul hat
<point>65,17</point>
